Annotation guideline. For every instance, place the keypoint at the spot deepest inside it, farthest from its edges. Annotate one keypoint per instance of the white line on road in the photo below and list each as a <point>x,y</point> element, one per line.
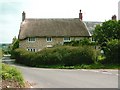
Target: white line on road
<point>94,71</point>
<point>106,73</point>
<point>97,71</point>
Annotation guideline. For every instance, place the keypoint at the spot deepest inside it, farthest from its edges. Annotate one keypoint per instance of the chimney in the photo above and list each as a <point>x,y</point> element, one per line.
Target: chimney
<point>114,17</point>
<point>80,15</point>
<point>23,16</point>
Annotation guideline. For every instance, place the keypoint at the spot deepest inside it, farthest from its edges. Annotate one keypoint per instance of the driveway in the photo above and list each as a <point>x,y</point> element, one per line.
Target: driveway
<point>69,78</point>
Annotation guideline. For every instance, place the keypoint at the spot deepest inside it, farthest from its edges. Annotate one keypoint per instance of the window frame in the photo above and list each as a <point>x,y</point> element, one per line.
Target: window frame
<point>67,40</point>
<point>49,39</point>
<point>31,39</point>
<point>31,49</point>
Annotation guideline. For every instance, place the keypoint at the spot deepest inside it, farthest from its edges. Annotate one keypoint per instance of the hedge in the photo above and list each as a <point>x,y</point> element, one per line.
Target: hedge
<point>64,55</point>
<point>111,52</point>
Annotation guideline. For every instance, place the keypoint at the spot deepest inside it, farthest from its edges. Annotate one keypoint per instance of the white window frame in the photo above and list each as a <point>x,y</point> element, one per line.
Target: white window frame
<point>49,46</point>
<point>49,39</point>
<point>31,39</point>
<point>66,39</point>
<point>31,49</point>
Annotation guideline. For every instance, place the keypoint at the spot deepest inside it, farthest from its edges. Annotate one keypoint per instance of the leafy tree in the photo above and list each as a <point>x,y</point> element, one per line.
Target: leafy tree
<point>14,45</point>
<point>112,51</point>
<point>108,36</point>
<point>107,31</point>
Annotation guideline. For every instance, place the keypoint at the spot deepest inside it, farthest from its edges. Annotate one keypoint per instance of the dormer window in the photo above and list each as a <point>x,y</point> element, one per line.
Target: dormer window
<point>31,39</point>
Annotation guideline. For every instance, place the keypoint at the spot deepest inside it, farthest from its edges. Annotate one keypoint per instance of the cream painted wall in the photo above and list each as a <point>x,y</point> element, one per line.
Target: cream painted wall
<point>41,43</point>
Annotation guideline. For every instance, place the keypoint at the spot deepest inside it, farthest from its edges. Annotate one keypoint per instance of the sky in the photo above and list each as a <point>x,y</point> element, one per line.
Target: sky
<point>11,12</point>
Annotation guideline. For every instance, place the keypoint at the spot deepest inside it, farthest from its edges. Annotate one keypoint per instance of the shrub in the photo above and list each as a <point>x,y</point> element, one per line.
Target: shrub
<point>64,55</point>
<point>112,51</point>
<point>11,73</point>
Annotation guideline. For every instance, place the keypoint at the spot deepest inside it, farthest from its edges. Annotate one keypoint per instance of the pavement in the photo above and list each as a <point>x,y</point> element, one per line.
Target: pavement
<point>69,78</point>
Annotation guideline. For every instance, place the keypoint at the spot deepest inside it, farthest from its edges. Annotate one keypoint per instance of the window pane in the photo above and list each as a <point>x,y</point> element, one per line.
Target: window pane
<point>67,38</point>
<point>49,39</point>
<point>31,39</point>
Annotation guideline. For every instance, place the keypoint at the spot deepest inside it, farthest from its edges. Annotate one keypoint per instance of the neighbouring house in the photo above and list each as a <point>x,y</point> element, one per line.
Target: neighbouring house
<point>36,34</point>
<point>91,25</point>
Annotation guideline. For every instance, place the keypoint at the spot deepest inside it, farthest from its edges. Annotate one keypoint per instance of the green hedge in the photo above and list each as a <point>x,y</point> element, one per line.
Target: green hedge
<point>64,55</point>
<point>111,52</point>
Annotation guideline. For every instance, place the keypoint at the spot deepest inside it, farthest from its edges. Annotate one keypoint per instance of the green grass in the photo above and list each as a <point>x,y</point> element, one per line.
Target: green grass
<point>83,66</point>
<point>11,73</point>
<point>0,53</point>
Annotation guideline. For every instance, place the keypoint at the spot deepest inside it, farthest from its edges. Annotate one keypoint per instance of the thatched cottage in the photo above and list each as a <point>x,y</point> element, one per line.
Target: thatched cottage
<point>36,34</point>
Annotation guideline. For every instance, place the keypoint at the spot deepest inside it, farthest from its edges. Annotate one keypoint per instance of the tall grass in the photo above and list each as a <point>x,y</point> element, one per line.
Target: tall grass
<point>11,73</point>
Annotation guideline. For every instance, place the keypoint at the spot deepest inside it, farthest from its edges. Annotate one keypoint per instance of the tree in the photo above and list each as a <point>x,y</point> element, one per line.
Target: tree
<point>112,51</point>
<point>14,45</point>
<point>108,37</point>
<point>107,31</point>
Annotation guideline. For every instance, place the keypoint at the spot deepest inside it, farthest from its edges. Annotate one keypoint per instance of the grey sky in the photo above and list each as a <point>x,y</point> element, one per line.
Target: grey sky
<point>10,12</point>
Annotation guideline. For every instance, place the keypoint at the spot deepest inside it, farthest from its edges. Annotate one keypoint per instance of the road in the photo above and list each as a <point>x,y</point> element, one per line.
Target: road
<point>72,78</point>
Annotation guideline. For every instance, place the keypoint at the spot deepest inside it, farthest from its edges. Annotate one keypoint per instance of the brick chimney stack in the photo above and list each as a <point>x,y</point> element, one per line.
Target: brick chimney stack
<point>80,15</point>
<point>23,16</point>
<point>114,17</point>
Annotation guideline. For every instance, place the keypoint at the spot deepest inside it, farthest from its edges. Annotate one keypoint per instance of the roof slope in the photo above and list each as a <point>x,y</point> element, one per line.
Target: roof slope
<point>52,28</point>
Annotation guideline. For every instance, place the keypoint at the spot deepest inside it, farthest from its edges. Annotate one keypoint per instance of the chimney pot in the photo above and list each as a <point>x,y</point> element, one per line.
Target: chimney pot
<point>23,16</point>
<point>114,17</point>
<point>80,15</point>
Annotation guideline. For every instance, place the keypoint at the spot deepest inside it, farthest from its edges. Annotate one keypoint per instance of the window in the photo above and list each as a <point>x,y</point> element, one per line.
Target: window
<point>31,49</point>
<point>31,39</point>
<point>49,39</point>
<point>49,46</point>
<point>67,39</point>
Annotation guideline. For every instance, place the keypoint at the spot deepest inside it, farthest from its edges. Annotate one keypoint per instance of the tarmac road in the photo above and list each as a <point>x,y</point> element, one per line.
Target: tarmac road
<point>69,78</point>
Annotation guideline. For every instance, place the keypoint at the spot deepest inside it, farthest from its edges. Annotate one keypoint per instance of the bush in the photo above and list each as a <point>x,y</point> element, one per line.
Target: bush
<point>64,55</point>
<point>81,42</point>
<point>11,73</point>
<point>79,55</point>
<point>112,51</point>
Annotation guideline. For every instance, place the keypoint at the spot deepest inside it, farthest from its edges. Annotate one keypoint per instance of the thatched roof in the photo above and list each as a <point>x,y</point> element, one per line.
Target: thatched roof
<point>52,28</point>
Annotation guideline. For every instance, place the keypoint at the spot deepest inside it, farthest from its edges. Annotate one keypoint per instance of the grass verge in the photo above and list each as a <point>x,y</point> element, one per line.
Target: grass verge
<point>11,74</point>
<point>83,66</point>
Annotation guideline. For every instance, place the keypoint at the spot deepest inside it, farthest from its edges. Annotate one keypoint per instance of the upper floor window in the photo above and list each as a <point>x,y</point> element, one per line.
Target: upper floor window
<point>66,39</point>
<point>31,39</point>
<point>49,39</point>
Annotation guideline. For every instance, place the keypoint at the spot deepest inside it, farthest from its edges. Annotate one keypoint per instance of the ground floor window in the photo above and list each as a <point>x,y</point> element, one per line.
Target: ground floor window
<point>49,39</point>
<point>31,49</point>
<point>66,39</point>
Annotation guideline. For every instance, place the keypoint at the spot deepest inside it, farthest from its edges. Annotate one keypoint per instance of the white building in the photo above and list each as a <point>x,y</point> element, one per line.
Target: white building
<point>119,10</point>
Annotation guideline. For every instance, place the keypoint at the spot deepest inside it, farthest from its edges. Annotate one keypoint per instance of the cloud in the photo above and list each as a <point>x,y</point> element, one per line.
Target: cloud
<point>10,13</point>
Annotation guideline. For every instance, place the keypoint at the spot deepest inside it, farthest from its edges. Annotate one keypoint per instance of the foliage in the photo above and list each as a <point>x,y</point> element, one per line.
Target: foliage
<point>82,42</point>
<point>11,73</point>
<point>65,55</point>
<point>5,48</point>
<point>107,31</point>
<point>14,45</point>
<point>112,51</point>
<point>108,36</point>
